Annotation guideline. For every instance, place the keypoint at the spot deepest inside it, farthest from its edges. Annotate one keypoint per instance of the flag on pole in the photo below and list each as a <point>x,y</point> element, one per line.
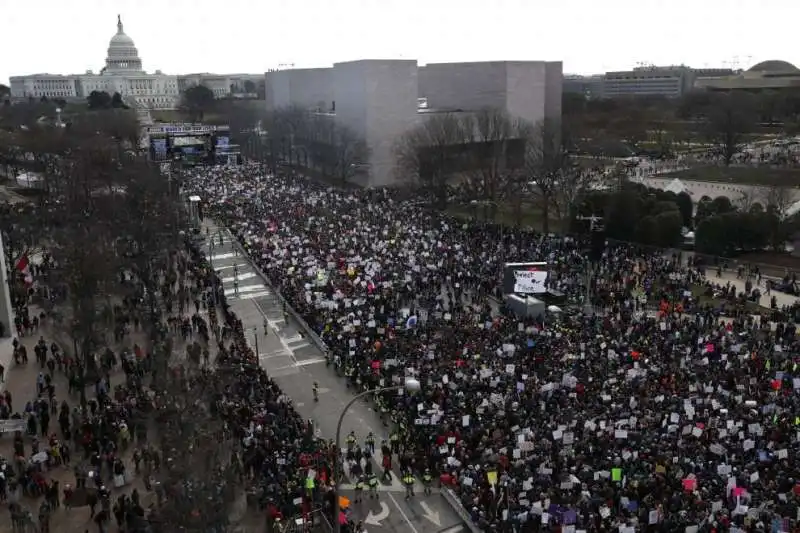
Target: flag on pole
<point>23,266</point>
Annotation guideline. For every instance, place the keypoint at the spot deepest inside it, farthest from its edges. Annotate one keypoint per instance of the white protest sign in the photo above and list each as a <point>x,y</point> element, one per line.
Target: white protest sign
<point>530,281</point>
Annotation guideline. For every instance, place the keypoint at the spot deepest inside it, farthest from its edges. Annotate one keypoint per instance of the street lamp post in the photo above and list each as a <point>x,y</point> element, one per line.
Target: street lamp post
<point>255,339</point>
<point>595,228</point>
<point>411,385</point>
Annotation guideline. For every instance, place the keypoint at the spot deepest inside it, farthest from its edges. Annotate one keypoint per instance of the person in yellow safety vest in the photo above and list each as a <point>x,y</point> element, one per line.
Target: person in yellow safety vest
<point>359,489</point>
<point>408,481</point>
<point>427,479</point>
<point>373,486</point>
<point>369,443</point>
<point>394,439</point>
<point>351,440</point>
<point>310,487</point>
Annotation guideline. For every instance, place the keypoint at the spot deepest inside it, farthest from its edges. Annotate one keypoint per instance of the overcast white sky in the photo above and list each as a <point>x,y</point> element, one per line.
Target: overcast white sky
<point>231,36</point>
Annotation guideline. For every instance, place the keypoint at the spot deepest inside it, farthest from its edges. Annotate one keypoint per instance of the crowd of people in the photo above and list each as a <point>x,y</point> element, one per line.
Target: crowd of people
<point>680,419</point>
<point>149,437</point>
<point>781,153</point>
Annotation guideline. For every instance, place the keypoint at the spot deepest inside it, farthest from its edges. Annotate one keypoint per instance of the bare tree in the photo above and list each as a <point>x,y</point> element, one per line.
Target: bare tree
<point>319,142</point>
<point>778,198</point>
<point>87,272</point>
<point>286,124</point>
<point>351,153</point>
<point>661,134</point>
<point>197,446</point>
<point>553,177</point>
<point>728,120</point>
<point>496,149</point>
<point>747,199</point>
<point>431,153</point>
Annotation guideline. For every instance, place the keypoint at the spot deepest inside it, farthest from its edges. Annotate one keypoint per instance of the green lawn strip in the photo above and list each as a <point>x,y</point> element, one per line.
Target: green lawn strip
<point>531,217</point>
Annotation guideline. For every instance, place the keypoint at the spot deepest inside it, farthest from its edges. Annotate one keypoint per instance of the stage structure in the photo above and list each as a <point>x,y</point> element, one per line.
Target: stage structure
<point>192,144</point>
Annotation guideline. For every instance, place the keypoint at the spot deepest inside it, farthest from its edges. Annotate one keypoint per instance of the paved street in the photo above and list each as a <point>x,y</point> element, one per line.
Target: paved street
<point>392,512</point>
<point>729,276</point>
<point>295,363</point>
<point>20,382</point>
<point>781,298</point>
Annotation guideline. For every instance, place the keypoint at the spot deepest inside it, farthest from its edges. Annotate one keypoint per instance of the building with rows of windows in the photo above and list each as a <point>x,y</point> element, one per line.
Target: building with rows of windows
<point>653,81</point>
<point>123,73</point>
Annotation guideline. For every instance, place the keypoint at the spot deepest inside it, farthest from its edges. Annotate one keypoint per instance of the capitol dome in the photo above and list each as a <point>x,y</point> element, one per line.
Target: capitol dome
<point>773,65</point>
<point>122,53</point>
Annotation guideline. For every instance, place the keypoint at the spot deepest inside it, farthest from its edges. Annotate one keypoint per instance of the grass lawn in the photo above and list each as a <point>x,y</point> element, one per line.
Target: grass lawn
<point>531,216</point>
<point>765,176</point>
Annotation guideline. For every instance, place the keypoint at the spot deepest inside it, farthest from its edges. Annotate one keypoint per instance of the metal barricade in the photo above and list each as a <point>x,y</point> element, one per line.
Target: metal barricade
<point>314,522</point>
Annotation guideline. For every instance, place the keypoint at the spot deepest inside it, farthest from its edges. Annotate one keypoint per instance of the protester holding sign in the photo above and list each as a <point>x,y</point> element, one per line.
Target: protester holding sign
<point>674,419</point>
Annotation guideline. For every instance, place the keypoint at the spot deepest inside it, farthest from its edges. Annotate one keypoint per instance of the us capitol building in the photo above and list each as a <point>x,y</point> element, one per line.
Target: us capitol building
<point>124,74</point>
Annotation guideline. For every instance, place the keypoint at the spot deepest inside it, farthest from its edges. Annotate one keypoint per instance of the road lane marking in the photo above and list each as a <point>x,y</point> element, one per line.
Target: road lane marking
<point>218,268</point>
<point>402,513</point>
<point>241,277</point>
<point>260,287</point>
<point>252,295</point>
<point>274,355</point>
<point>227,255</point>
<point>274,326</point>
<point>307,362</point>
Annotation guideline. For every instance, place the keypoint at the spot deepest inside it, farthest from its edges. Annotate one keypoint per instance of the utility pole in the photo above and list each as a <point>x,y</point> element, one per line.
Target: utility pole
<point>236,280</point>
<point>597,246</point>
<point>255,338</point>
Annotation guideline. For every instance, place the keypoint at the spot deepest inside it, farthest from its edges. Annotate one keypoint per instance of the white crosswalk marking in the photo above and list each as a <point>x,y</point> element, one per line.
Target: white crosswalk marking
<point>251,295</point>
<point>226,255</point>
<point>241,277</point>
<point>245,289</point>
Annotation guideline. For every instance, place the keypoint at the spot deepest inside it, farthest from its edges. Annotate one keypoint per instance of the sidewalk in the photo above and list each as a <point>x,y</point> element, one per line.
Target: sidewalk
<point>6,359</point>
<point>21,384</point>
<point>781,298</point>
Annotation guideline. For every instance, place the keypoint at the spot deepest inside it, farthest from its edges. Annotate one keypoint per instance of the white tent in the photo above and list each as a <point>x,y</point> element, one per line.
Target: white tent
<point>676,186</point>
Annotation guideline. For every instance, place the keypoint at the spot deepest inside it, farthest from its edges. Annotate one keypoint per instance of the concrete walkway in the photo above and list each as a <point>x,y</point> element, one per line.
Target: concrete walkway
<point>21,384</point>
<point>727,277</point>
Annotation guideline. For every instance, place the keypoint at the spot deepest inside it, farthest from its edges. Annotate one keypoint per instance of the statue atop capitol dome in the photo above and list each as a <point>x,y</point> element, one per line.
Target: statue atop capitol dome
<point>122,53</point>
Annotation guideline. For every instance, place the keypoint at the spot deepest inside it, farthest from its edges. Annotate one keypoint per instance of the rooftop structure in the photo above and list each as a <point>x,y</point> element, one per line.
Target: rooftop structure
<point>123,73</point>
<point>122,53</point>
<point>767,75</point>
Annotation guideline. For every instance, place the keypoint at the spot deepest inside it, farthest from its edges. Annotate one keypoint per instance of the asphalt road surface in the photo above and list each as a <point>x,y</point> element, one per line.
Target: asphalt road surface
<point>391,511</point>
<point>295,363</point>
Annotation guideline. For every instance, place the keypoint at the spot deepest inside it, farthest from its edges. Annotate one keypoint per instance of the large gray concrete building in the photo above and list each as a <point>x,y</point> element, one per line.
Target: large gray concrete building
<point>382,99</point>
